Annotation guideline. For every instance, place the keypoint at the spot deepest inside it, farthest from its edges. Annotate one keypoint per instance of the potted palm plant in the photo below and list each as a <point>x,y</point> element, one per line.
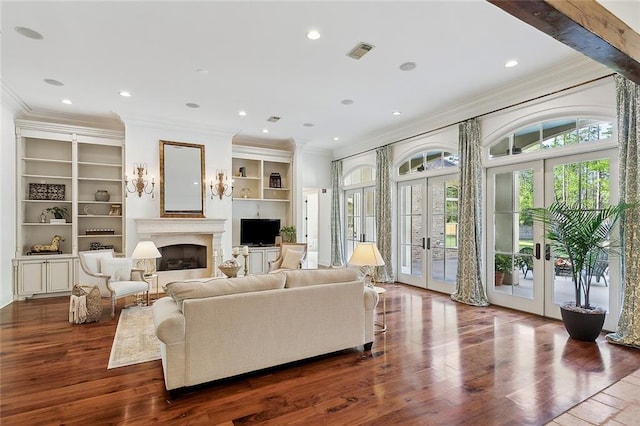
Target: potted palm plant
<point>582,237</point>
<point>502,266</point>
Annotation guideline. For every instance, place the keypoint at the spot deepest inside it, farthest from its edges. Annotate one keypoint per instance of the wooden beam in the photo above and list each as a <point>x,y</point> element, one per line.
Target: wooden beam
<point>585,26</point>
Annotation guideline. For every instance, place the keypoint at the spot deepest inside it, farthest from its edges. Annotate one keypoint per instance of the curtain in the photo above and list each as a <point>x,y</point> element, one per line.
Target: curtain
<point>469,287</point>
<point>628,96</point>
<point>383,213</point>
<point>337,253</point>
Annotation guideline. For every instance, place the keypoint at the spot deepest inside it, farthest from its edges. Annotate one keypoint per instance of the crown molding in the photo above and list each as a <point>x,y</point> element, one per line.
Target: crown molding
<point>177,125</point>
<point>13,101</point>
<point>576,70</point>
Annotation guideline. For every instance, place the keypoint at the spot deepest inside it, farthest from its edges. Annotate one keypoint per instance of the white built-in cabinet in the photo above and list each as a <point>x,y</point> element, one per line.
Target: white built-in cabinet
<point>259,165</point>
<point>259,258</point>
<point>64,166</point>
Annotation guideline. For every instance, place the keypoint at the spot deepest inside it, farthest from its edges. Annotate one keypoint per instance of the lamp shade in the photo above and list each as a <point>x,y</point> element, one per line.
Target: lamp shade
<point>366,254</point>
<point>145,250</point>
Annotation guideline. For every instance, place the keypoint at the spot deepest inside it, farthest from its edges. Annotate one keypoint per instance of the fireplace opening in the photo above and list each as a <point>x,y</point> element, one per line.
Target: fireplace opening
<point>182,256</point>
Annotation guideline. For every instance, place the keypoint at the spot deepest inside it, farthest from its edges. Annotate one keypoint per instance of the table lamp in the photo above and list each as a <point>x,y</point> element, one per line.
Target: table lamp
<point>144,252</point>
<point>367,256</point>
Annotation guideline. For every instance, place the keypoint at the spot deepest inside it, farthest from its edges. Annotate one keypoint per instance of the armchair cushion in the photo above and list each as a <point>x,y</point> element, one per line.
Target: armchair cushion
<point>292,259</point>
<point>117,267</point>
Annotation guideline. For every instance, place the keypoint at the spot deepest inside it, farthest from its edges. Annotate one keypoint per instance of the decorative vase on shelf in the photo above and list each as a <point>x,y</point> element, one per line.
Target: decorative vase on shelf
<point>102,195</point>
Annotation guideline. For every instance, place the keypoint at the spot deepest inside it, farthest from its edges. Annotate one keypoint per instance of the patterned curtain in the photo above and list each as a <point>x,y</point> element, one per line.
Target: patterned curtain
<point>628,97</point>
<point>383,213</point>
<point>337,253</point>
<point>469,287</point>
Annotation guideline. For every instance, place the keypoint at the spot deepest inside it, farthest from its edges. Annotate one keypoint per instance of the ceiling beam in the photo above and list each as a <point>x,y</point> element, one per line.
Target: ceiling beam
<point>585,26</point>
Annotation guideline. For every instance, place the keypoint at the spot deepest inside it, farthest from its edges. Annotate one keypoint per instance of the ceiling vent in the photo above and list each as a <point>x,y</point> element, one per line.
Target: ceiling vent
<point>360,50</point>
<point>273,119</point>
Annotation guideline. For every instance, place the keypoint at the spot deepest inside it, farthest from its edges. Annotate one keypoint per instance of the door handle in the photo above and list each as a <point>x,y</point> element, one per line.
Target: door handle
<point>538,251</point>
<point>428,243</point>
<point>547,252</point>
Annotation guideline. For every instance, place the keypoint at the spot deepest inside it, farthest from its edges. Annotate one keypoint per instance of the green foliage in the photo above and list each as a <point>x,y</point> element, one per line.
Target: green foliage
<point>288,234</point>
<point>58,212</point>
<point>580,235</point>
<point>502,263</point>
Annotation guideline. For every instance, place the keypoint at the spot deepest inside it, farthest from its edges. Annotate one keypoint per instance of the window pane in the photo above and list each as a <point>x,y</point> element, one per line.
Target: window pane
<point>527,139</point>
<point>500,149</point>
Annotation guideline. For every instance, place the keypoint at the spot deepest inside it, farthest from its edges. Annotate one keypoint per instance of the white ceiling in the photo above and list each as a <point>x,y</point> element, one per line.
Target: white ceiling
<point>259,60</point>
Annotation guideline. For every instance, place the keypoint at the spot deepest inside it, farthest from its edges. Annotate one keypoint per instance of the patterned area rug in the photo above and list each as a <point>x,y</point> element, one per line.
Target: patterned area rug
<point>135,340</point>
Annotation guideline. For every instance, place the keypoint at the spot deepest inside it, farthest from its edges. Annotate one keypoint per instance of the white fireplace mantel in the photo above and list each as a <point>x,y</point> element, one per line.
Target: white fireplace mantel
<point>148,227</point>
<point>169,231</point>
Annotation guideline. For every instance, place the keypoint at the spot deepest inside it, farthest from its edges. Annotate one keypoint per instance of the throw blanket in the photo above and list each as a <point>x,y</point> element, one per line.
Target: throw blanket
<point>78,309</point>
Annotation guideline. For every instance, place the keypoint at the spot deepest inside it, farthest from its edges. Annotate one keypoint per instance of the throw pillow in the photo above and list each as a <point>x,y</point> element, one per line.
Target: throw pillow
<point>292,259</point>
<point>94,301</point>
<point>183,290</point>
<point>119,268</point>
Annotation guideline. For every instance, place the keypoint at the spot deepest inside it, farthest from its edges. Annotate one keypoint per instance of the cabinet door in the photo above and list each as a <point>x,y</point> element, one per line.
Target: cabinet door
<point>32,277</point>
<point>59,275</point>
<point>271,254</point>
<point>257,264</point>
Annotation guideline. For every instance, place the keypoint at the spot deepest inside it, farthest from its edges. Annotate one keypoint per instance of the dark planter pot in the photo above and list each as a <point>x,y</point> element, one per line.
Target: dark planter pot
<point>583,326</point>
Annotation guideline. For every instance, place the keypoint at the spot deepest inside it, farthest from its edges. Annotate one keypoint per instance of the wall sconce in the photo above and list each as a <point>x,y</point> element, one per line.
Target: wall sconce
<point>139,184</point>
<point>224,186</point>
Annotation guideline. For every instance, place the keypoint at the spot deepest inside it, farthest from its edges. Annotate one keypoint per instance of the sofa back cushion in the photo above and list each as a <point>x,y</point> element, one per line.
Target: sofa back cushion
<point>183,290</point>
<point>307,277</point>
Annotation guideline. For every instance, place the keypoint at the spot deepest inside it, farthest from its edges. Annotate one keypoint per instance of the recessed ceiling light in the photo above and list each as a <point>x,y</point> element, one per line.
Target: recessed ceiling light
<point>202,71</point>
<point>265,130</point>
<point>346,102</point>
<point>308,124</point>
<point>29,33</point>
<point>408,66</point>
<point>313,35</point>
<point>336,139</point>
<point>192,105</point>
<point>242,113</point>
<point>66,101</point>
<point>53,82</point>
<point>396,113</point>
<point>510,64</point>
<point>125,94</point>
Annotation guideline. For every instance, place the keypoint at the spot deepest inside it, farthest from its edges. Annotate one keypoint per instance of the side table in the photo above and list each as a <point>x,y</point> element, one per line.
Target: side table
<point>382,294</point>
<point>150,279</point>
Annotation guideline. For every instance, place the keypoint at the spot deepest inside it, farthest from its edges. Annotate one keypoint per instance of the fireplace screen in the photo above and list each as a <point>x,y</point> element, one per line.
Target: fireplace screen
<point>182,256</point>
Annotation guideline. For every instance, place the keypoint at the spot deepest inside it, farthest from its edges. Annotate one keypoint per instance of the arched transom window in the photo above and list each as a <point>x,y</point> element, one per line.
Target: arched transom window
<point>430,160</point>
<point>362,176</point>
<point>552,134</point>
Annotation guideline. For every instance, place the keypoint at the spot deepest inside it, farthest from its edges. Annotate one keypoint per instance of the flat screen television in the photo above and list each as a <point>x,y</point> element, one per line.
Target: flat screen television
<point>259,232</point>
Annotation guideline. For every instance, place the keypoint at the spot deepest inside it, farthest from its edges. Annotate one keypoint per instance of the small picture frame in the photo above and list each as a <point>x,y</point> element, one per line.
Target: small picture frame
<point>115,210</point>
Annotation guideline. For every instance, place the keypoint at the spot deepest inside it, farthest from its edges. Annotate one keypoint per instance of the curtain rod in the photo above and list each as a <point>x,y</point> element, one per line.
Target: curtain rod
<point>481,115</point>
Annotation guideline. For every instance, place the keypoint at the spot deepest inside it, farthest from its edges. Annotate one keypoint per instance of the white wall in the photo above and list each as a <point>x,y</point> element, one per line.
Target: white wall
<point>142,146</point>
<point>7,203</point>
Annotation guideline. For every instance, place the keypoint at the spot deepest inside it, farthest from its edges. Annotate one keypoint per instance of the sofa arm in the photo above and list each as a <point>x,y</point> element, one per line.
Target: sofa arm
<point>169,321</point>
<point>370,298</point>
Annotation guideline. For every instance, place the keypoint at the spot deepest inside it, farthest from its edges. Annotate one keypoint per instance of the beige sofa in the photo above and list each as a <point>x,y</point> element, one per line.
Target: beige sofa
<point>220,328</point>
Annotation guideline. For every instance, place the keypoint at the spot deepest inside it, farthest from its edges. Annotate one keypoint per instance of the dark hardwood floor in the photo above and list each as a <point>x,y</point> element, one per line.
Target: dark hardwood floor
<point>439,363</point>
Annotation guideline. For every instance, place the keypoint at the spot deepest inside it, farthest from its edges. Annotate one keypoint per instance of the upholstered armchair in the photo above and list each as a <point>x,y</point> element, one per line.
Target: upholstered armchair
<point>115,276</point>
<point>291,256</point>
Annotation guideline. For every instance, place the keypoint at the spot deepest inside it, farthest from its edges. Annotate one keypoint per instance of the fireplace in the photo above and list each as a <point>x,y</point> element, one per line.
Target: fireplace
<point>182,256</point>
<point>183,242</point>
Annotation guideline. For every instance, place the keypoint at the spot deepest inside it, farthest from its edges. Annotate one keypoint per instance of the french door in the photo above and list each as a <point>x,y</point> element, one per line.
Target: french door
<point>537,280</point>
<point>360,217</point>
<point>428,232</point>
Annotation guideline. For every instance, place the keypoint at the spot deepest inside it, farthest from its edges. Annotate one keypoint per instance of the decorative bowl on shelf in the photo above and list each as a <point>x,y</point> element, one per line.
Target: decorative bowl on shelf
<point>229,271</point>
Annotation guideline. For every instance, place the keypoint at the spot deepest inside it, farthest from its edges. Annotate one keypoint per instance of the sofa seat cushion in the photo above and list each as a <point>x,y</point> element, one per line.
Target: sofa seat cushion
<point>182,290</point>
<point>307,277</point>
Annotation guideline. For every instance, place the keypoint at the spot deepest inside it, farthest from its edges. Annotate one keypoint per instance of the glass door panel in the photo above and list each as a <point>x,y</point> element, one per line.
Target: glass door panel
<point>411,233</point>
<point>360,218</point>
<point>512,261</point>
<point>442,244</point>
<point>586,180</point>
<point>353,219</point>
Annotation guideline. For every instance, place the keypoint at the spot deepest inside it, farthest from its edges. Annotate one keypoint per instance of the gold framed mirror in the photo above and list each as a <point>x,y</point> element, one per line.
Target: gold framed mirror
<point>182,179</point>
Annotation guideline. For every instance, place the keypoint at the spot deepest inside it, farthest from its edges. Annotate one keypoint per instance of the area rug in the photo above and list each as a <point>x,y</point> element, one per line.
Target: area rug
<point>135,340</point>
